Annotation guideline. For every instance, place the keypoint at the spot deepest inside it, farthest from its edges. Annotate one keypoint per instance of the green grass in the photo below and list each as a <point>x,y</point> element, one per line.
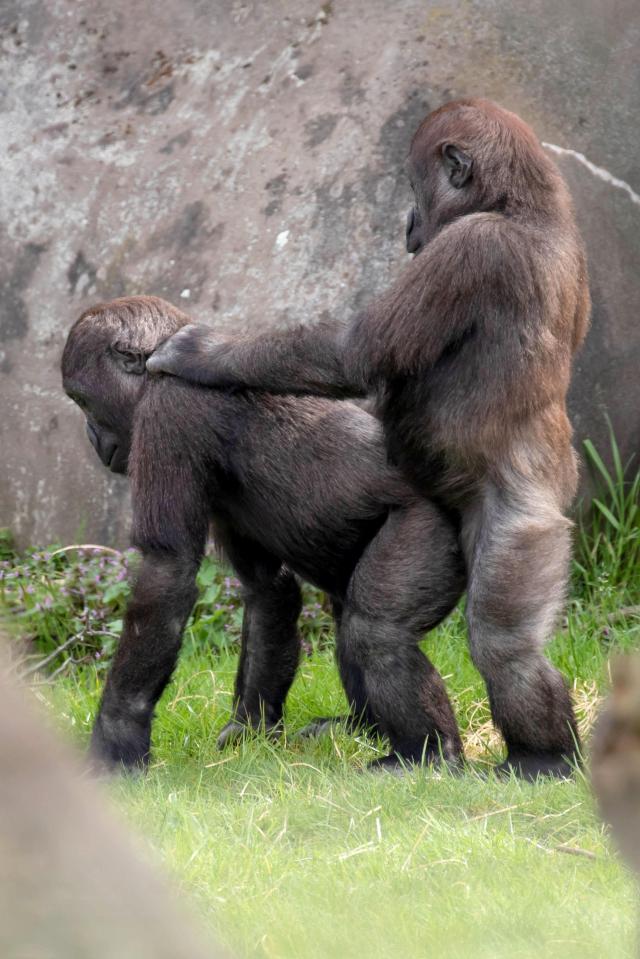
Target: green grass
<point>608,538</point>
<point>291,849</point>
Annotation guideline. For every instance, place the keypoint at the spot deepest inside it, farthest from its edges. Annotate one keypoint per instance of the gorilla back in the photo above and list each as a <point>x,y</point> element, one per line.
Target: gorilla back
<point>288,486</point>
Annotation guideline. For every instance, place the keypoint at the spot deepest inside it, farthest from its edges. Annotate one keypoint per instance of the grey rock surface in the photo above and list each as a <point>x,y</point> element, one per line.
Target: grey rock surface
<point>245,160</point>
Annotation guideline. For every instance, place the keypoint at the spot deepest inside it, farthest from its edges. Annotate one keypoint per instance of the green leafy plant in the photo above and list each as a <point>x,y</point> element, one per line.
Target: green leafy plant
<point>608,542</point>
<point>7,547</point>
<point>68,604</point>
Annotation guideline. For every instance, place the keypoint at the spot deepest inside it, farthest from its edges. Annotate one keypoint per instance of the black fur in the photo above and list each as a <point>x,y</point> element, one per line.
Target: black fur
<point>290,487</point>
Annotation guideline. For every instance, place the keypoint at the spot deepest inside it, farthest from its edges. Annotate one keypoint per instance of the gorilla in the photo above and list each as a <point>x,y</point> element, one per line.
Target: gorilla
<point>469,355</point>
<point>290,488</point>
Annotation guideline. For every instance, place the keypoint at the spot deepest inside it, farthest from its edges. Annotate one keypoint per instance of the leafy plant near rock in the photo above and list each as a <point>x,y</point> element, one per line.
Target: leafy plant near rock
<point>608,541</point>
<point>67,604</point>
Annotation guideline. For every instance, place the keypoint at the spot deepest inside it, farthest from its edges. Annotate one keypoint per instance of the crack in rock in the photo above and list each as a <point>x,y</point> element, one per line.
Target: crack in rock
<point>598,171</point>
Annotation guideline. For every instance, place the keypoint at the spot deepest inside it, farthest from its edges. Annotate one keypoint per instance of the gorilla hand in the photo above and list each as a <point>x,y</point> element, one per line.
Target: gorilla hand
<point>191,355</point>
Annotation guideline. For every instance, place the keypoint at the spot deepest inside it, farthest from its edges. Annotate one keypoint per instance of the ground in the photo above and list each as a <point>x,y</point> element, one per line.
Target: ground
<point>292,850</point>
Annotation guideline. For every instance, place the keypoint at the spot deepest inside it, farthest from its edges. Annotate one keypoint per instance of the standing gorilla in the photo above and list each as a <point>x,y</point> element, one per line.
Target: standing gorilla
<point>470,356</point>
<point>289,486</point>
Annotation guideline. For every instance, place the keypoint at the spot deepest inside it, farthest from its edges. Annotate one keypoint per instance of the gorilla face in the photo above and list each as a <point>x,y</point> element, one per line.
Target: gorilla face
<point>107,389</point>
<point>111,443</point>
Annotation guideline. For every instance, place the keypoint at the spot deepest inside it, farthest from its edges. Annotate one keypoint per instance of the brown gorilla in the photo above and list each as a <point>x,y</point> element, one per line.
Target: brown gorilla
<point>469,354</point>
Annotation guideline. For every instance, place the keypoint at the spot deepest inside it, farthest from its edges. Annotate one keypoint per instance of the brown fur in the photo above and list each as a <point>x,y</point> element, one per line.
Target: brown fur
<point>72,883</point>
<point>470,355</point>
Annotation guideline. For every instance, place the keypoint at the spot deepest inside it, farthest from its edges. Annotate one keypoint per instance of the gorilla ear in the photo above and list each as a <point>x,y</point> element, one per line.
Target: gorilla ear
<point>131,361</point>
<point>457,163</point>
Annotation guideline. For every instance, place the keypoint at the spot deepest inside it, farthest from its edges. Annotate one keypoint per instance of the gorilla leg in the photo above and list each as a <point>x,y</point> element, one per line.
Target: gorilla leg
<point>408,579</point>
<point>518,544</point>
<point>360,716</point>
<point>162,598</point>
<point>270,645</point>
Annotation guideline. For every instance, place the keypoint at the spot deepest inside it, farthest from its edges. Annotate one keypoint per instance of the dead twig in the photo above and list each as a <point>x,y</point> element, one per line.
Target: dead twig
<point>92,546</point>
<point>45,662</point>
<point>576,851</point>
<point>623,613</point>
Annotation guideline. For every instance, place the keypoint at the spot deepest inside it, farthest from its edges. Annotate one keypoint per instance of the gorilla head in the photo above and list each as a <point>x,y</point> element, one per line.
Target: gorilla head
<point>103,367</point>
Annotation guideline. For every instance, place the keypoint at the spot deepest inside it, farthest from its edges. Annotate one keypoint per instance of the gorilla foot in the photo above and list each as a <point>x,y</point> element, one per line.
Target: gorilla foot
<point>398,765</point>
<point>322,725</point>
<point>106,769</point>
<point>119,745</point>
<point>231,733</point>
<point>529,766</point>
<point>109,759</point>
<point>392,763</point>
<point>235,730</point>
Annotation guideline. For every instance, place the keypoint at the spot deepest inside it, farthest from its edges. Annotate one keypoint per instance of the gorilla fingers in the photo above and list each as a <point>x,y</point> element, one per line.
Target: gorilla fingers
<point>308,359</point>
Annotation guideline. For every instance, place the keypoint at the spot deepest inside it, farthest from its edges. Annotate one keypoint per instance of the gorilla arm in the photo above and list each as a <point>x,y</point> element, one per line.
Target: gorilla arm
<point>169,527</point>
<point>306,359</point>
<point>163,596</point>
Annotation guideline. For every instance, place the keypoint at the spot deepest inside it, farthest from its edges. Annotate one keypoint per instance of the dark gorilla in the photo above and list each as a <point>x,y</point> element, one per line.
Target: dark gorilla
<point>469,354</point>
<point>290,487</point>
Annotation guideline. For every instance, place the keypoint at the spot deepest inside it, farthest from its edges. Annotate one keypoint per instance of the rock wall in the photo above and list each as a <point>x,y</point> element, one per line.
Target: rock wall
<point>245,160</point>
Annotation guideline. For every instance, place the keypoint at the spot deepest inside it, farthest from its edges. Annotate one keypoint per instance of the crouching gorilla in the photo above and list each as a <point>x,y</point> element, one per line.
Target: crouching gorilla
<point>290,487</point>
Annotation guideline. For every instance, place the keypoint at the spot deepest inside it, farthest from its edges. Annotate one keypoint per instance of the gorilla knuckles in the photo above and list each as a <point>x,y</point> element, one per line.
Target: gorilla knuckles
<point>288,486</point>
<point>185,339</point>
<point>469,353</point>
